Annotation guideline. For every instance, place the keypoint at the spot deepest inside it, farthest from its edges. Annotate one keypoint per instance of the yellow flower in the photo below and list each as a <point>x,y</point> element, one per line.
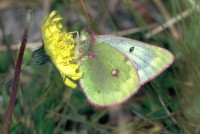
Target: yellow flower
<point>60,46</point>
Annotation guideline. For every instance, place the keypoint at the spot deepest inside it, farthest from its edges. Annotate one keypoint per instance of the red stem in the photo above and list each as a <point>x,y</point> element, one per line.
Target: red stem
<point>15,82</point>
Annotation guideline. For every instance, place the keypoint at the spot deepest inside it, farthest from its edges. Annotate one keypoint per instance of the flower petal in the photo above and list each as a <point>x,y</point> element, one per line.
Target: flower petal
<point>59,45</point>
<point>69,83</point>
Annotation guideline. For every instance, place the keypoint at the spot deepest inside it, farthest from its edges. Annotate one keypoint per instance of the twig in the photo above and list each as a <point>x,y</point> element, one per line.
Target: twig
<point>166,109</point>
<point>134,30</point>
<point>35,45</point>
<point>142,117</point>
<point>32,46</point>
<point>16,77</point>
<point>166,15</point>
<point>171,22</point>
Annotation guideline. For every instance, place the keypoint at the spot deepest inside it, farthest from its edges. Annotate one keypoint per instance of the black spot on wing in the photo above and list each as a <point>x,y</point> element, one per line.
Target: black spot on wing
<point>131,49</point>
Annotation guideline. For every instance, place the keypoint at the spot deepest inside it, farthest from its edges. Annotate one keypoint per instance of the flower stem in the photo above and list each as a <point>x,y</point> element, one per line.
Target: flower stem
<point>12,101</point>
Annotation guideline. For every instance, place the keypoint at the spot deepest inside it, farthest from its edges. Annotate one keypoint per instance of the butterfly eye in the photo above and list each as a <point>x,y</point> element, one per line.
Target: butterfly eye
<point>131,49</point>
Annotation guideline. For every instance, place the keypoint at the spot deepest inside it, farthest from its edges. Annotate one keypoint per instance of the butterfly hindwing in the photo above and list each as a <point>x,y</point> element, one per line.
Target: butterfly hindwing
<point>109,76</point>
<point>149,60</point>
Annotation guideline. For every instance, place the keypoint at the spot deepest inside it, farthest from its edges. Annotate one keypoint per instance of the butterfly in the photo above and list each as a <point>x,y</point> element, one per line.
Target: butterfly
<point>110,68</point>
<point>116,67</point>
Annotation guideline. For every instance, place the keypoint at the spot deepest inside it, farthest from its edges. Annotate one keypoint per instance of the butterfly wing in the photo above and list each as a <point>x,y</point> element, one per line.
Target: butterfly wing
<point>149,60</point>
<point>109,76</point>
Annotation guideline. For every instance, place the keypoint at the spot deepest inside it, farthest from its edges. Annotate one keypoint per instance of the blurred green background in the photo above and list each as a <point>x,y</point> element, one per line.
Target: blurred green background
<point>169,104</point>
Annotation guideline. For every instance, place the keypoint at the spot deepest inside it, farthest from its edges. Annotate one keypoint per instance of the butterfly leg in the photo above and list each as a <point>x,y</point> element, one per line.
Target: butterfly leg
<point>75,32</point>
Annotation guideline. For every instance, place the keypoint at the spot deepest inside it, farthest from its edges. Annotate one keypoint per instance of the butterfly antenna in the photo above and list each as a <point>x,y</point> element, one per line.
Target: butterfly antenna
<point>89,30</point>
<point>86,13</point>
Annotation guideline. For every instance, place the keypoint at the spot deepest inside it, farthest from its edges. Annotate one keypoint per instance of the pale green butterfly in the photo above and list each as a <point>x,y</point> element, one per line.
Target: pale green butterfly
<point>115,67</point>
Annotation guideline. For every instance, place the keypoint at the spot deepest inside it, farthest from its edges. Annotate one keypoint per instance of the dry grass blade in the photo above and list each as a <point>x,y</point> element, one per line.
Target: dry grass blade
<point>171,22</point>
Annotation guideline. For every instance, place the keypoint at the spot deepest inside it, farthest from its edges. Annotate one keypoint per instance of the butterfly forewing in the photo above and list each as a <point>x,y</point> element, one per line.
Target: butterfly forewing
<point>149,60</point>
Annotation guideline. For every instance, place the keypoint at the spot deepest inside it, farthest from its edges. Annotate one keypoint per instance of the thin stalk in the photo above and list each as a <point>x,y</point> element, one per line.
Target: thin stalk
<point>12,101</point>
